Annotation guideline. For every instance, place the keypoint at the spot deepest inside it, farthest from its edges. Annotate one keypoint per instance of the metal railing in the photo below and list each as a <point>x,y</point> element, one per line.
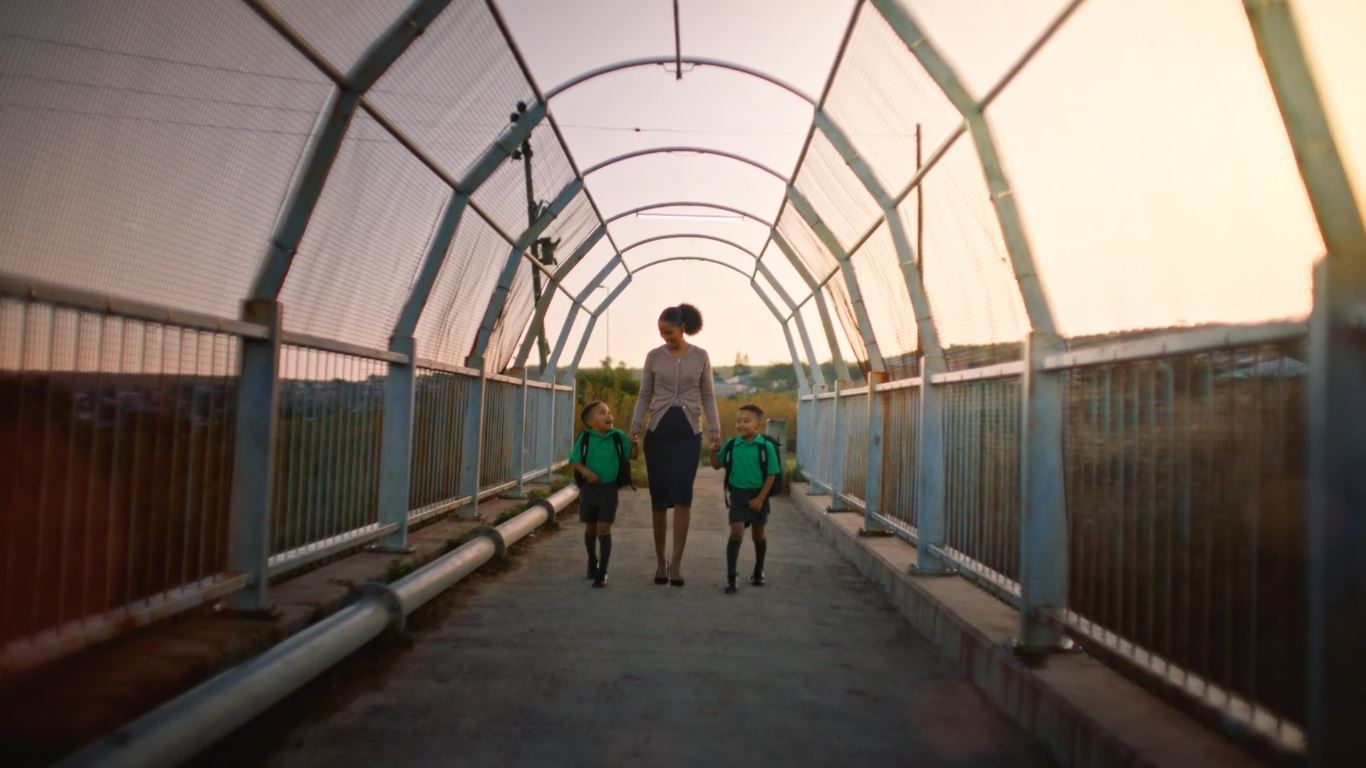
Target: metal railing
<point>116,477</point>
<point>1183,458</point>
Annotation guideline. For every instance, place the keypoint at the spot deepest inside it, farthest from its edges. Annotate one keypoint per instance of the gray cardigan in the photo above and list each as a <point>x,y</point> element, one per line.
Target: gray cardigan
<point>688,379</point>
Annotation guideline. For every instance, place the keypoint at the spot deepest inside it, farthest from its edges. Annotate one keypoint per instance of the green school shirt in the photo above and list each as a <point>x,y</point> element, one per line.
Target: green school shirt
<point>602,453</point>
<point>745,471</point>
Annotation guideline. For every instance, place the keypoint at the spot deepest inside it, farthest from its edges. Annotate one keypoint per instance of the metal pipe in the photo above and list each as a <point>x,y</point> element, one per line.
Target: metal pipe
<point>181,728</point>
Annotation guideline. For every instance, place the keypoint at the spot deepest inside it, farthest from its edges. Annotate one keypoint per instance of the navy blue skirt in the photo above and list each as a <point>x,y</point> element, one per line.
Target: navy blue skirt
<point>672,452</point>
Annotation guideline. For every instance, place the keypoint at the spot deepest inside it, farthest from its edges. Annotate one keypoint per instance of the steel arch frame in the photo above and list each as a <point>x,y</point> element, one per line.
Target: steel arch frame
<point>607,303</point>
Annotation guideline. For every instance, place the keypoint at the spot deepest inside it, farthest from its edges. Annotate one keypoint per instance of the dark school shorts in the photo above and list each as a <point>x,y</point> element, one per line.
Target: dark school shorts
<point>740,511</point>
<point>598,503</point>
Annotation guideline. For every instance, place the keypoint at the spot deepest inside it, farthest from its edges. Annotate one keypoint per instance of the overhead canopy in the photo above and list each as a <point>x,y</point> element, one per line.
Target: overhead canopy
<point>1130,172</point>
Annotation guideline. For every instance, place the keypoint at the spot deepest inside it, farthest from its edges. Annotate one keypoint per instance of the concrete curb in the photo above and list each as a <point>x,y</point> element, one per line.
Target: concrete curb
<point>1081,711</point>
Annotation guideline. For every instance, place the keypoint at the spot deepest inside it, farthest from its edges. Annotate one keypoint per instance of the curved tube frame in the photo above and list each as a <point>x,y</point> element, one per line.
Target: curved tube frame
<point>607,302</point>
<point>678,150</point>
<point>698,61</point>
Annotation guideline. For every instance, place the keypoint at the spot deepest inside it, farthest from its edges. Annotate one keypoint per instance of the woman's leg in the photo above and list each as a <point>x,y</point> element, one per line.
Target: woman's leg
<point>660,521</point>
<point>682,516</point>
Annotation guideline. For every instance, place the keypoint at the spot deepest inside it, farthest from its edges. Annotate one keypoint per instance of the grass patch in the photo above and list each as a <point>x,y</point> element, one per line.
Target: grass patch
<point>397,569</point>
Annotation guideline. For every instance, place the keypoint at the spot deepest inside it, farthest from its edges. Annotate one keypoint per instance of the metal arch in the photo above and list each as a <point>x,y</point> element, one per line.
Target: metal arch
<point>690,204</point>
<point>831,341</point>
<point>941,71</point>
<point>698,61</point>
<point>688,236</point>
<point>679,150</point>
<point>607,302</point>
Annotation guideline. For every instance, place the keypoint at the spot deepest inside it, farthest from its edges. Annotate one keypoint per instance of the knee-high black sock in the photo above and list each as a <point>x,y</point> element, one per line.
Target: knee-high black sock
<point>732,556</point>
<point>760,549</point>
<point>605,541</point>
<point>590,541</point>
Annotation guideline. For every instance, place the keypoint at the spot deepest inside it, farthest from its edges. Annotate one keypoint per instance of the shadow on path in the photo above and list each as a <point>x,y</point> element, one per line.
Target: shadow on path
<point>535,668</point>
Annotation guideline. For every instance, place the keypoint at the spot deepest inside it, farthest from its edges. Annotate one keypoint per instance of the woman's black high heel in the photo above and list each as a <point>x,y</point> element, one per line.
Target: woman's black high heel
<point>676,582</point>
<point>662,579</point>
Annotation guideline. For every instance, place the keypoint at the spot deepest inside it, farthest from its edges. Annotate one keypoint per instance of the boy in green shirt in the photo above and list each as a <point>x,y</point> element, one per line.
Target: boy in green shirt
<point>752,468</point>
<point>601,465</point>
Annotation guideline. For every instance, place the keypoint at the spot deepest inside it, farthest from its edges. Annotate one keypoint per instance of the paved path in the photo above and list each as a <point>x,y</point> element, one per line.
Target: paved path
<point>536,668</point>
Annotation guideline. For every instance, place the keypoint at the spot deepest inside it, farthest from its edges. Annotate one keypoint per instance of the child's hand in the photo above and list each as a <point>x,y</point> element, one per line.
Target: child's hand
<point>756,504</point>
<point>591,477</point>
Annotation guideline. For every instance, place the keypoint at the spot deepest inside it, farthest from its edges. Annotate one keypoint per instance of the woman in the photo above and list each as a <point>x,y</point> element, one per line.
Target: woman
<point>675,385</point>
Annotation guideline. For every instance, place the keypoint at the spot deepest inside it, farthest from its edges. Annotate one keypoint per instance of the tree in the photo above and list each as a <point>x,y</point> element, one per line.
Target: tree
<point>741,367</point>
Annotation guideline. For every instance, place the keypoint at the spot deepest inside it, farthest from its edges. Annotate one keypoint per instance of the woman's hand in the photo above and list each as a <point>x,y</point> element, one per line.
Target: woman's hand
<point>715,443</point>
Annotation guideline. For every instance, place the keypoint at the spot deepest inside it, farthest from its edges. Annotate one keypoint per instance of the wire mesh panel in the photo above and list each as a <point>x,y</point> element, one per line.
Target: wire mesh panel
<point>365,241</point>
<point>517,310</point>
<point>851,341</point>
<point>965,266</point>
<point>825,448</point>
<point>566,418</point>
<point>440,402</point>
<point>854,423</point>
<point>497,458</point>
<point>454,88</point>
<point>880,95</point>
<point>448,325</point>
<point>326,453</point>
<point>147,148</point>
<point>1202,217</point>
<point>115,472</point>
<point>888,303</point>
<point>839,198</point>
<point>982,460</point>
<point>1185,498</point>
<point>538,448</point>
<point>900,451</point>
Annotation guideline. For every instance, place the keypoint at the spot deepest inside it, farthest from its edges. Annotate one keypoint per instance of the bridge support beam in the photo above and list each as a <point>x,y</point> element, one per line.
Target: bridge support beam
<point>396,443</point>
<point>931,478</point>
<point>1337,400</point>
<point>877,431</point>
<point>472,446</point>
<point>253,474</point>
<point>1043,501</point>
<point>839,445</point>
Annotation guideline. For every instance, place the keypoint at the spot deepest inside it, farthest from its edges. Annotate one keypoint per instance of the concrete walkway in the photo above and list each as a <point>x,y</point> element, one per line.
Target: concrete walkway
<point>536,668</point>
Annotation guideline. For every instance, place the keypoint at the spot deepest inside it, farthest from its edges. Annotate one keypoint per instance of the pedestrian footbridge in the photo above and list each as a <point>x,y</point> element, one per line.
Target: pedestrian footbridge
<point>1074,293</point>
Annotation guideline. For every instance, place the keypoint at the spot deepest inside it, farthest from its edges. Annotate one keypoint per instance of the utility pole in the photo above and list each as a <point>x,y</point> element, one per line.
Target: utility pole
<point>543,250</point>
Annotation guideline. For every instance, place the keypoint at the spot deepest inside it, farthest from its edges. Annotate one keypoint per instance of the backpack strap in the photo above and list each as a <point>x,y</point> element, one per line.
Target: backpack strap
<point>763,456</point>
<point>623,462</point>
<point>727,452</point>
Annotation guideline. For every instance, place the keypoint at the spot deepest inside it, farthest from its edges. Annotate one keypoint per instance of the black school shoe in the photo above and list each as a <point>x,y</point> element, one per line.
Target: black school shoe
<point>600,579</point>
<point>756,579</point>
<point>730,585</point>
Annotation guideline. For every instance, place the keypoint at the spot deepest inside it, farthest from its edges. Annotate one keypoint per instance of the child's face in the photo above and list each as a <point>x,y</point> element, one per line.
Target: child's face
<point>671,334</point>
<point>746,424</point>
<point>600,419</point>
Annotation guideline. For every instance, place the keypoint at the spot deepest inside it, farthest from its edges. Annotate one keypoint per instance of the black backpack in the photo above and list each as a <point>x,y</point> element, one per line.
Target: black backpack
<point>764,460</point>
<point>623,461</point>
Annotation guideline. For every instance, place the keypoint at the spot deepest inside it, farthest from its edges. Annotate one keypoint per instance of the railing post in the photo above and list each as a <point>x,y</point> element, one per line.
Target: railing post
<point>930,477</point>
<point>519,429</point>
<point>877,430</point>
<point>1336,525</point>
<point>839,445</point>
<point>816,452</point>
<point>472,445</point>
<point>253,461</point>
<point>1043,511</point>
<point>396,445</point>
<point>549,433</point>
